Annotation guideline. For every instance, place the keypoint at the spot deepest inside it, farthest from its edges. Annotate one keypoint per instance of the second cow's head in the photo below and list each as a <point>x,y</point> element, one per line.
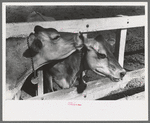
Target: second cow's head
<point>101,60</point>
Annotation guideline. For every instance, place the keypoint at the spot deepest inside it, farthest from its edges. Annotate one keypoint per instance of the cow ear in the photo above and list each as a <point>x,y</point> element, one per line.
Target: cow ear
<point>38,29</point>
<point>79,39</point>
<point>111,41</point>
<point>34,46</point>
<point>81,36</point>
<point>88,43</point>
<point>96,46</point>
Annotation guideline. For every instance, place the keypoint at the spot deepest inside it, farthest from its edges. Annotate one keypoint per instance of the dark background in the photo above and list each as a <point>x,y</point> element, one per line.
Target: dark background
<point>20,13</point>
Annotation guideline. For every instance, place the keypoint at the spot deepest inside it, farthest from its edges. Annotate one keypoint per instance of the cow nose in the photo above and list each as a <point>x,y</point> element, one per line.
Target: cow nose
<point>122,74</point>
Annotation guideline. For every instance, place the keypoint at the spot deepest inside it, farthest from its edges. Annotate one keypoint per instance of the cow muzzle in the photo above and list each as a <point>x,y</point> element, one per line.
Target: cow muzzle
<point>115,76</point>
<point>119,77</point>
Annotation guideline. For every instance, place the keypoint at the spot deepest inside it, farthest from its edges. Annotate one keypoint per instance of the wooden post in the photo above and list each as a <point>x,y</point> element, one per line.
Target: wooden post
<point>40,83</point>
<point>120,45</point>
<point>85,36</point>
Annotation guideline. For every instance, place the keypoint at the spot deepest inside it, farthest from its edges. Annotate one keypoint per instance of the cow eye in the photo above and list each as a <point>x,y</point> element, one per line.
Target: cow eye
<point>57,37</point>
<point>101,55</point>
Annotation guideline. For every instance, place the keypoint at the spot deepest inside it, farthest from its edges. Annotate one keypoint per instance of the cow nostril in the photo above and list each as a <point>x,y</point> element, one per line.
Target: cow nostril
<point>122,74</point>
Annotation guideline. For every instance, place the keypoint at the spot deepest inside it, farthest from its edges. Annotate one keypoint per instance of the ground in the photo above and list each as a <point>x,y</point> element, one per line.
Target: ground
<point>134,51</point>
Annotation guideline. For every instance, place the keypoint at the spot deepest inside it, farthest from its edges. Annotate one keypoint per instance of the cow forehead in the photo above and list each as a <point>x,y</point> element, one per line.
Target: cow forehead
<point>102,41</point>
<point>101,48</point>
<point>94,43</point>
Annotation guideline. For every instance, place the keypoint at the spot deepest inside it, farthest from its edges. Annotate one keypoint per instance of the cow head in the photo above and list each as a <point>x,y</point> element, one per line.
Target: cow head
<point>50,44</point>
<point>100,59</point>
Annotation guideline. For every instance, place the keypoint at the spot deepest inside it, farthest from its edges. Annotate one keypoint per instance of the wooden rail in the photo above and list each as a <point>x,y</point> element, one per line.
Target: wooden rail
<point>95,89</point>
<point>82,25</point>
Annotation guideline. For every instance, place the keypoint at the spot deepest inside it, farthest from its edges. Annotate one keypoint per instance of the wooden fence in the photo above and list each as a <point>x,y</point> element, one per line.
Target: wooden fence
<point>120,23</point>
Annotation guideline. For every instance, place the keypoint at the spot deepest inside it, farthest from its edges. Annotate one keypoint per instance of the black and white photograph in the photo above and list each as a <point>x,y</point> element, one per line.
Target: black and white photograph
<point>82,57</point>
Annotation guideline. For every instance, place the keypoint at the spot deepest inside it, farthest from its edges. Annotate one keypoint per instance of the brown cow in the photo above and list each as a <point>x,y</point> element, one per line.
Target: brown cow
<point>96,55</point>
<point>46,44</point>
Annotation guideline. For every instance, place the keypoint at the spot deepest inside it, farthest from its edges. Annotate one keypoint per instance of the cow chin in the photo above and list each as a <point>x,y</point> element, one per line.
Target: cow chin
<point>114,79</point>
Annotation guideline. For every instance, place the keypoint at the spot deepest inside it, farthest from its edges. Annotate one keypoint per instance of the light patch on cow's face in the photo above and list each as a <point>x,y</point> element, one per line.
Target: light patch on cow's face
<point>101,60</point>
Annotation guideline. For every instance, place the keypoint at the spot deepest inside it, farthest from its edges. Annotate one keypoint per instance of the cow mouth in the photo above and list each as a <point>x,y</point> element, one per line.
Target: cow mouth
<point>109,76</point>
<point>99,73</point>
<point>115,79</point>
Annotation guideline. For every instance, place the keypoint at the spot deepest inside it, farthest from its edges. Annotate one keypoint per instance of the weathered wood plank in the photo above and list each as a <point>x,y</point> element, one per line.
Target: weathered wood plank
<point>40,83</point>
<point>74,26</point>
<point>95,89</point>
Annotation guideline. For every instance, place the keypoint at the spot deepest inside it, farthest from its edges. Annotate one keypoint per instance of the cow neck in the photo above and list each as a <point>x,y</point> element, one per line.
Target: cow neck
<point>82,62</point>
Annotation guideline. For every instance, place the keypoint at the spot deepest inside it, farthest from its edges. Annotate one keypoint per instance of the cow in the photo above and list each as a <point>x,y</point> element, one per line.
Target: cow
<point>37,16</point>
<point>96,55</point>
<point>25,55</point>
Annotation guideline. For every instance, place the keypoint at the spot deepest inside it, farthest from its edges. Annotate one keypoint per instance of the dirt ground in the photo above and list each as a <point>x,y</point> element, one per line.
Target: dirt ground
<point>134,51</point>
